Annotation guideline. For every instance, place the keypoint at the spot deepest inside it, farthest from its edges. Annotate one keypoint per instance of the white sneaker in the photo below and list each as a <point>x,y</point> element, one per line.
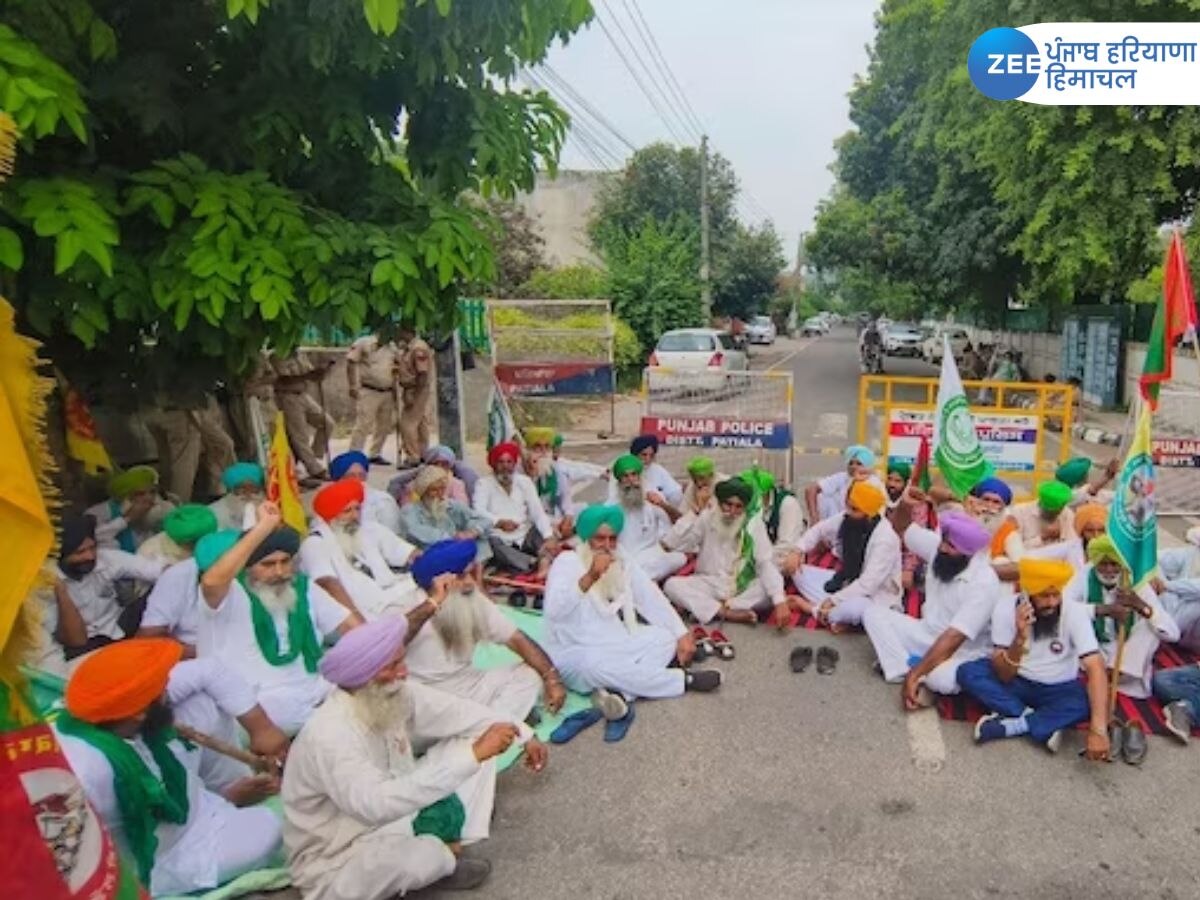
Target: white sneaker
<point>612,706</point>
<point>1054,742</point>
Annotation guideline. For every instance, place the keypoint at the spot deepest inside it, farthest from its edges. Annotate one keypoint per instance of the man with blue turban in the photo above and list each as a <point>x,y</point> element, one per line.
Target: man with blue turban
<point>826,497</point>
<point>378,506</point>
<point>452,618</point>
<point>245,487</point>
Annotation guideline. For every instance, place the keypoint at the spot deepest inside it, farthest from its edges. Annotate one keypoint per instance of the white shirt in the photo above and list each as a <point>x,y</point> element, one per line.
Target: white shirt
<point>880,576</point>
<point>791,521</point>
<point>95,594</point>
<point>654,478</point>
<point>172,603</point>
<point>381,507</point>
<point>1052,659</point>
<point>161,548</point>
<point>1160,621</point>
<point>288,693</point>
<point>522,506</point>
<point>110,524</point>
<point>428,659</point>
<point>645,528</point>
<point>716,554</point>
<point>226,509</point>
<point>967,602</point>
<point>368,578</point>
<point>833,490</point>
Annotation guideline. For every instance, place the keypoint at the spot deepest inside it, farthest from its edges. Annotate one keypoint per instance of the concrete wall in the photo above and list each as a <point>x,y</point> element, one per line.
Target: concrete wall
<point>562,208</point>
<point>1042,352</point>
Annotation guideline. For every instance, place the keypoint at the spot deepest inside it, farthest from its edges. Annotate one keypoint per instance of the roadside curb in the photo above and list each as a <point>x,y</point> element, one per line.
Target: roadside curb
<point>1087,433</point>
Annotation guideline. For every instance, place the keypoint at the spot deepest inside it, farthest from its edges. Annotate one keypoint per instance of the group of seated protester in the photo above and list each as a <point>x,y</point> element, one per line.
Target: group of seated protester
<point>345,658</point>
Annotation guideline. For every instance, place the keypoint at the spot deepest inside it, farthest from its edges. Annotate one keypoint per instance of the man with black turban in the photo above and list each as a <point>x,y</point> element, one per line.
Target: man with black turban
<point>735,569</point>
<point>263,619</point>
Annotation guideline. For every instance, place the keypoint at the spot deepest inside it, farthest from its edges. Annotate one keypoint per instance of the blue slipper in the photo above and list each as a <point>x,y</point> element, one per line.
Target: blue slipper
<point>617,729</point>
<point>575,723</point>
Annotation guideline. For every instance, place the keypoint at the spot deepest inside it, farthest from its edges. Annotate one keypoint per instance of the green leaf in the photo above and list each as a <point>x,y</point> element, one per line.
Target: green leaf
<point>233,8</point>
<point>12,255</point>
<point>67,247</point>
<point>443,7</point>
<point>381,272</point>
<point>388,12</point>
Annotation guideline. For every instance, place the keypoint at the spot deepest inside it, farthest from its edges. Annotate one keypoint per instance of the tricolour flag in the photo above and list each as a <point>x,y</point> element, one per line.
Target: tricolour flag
<point>955,443</point>
<point>1175,317</point>
<point>282,488</point>
<point>83,440</point>
<point>501,426</point>
<point>1132,521</point>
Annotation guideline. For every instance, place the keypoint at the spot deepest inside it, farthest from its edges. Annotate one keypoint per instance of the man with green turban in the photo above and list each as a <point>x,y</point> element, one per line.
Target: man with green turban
<point>899,474</point>
<point>572,474</point>
<point>182,527</point>
<point>702,476</point>
<point>655,475</point>
<point>781,511</point>
<point>648,521</point>
<point>594,597</point>
<point>1074,472</point>
<point>172,608</point>
<point>1042,524</point>
<point>736,575</point>
<point>1101,586</point>
<point>133,513</point>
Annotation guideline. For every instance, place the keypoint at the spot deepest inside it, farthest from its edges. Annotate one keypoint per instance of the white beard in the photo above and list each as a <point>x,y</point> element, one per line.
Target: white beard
<point>1108,583</point>
<point>348,539</point>
<point>461,622</point>
<point>279,599</point>
<point>541,466</point>
<point>437,508</point>
<point>612,585</point>
<point>384,708</point>
<point>728,532</point>
<point>991,521</point>
<point>633,497</point>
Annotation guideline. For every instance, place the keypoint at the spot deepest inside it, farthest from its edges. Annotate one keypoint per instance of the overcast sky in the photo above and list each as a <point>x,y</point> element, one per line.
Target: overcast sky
<point>767,78</point>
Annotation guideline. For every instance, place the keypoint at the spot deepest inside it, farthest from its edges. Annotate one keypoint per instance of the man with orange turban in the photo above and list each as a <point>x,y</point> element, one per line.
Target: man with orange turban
<point>870,551</point>
<point>509,501</point>
<point>356,560</point>
<point>1031,681</point>
<point>117,734</point>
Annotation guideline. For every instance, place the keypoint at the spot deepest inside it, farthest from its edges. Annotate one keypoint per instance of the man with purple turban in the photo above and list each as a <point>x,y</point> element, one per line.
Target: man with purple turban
<point>452,618</point>
<point>961,591</point>
<point>390,778</point>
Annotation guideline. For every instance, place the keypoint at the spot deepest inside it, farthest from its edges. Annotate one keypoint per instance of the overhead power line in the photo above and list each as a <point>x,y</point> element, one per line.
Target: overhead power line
<point>588,138</point>
<point>565,87</point>
<point>660,61</point>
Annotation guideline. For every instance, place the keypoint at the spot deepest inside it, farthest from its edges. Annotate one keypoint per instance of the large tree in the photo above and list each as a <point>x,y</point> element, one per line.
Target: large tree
<point>748,270</point>
<point>200,179</point>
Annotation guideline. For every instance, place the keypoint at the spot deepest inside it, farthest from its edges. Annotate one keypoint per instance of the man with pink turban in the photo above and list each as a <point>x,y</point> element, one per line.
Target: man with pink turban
<point>961,591</point>
<point>389,779</point>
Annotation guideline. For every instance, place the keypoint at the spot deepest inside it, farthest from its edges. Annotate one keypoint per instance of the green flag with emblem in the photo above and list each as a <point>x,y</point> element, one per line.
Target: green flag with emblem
<point>1132,520</point>
<point>955,443</point>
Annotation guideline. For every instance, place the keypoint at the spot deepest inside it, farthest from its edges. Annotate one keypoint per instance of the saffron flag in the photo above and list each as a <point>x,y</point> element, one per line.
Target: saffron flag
<point>1132,519</point>
<point>955,443</point>
<point>1175,317</point>
<point>501,426</point>
<point>282,488</point>
<point>83,441</point>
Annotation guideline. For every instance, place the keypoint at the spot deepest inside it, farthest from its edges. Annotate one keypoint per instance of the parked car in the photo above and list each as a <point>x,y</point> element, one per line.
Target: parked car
<point>931,350</point>
<point>902,339</point>
<point>699,348</point>
<point>761,330</point>
<point>814,327</point>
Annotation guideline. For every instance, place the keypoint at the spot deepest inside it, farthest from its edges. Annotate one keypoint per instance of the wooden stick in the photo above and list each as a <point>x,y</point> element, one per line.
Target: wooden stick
<point>1122,634</point>
<point>253,760</point>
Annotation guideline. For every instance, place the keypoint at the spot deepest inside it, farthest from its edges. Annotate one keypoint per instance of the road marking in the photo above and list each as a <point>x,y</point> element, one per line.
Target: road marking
<point>775,365</point>
<point>925,741</point>
<point>832,425</point>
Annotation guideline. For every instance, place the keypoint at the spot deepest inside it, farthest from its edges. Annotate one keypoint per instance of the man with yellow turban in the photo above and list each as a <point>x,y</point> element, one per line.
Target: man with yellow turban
<point>870,552</point>
<point>1031,680</point>
<point>1043,522</point>
<point>144,782</point>
<point>539,465</point>
<point>133,512</point>
<point>648,521</point>
<point>1099,587</point>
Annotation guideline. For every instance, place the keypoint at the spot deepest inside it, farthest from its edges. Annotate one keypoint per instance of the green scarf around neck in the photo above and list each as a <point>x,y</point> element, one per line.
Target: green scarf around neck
<point>142,799</point>
<point>1095,597</point>
<point>125,540</point>
<point>547,489</point>
<point>302,637</point>
<point>748,568</point>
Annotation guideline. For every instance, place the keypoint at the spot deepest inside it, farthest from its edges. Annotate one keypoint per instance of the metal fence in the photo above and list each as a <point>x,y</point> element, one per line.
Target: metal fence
<point>553,359</point>
<point>736,418</point>
<point>1011,418</point>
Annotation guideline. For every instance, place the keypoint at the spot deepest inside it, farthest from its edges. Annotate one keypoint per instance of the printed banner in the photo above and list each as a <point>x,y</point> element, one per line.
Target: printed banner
<point>554,379</point>
<point>1176,453</point>
<point>718,433</point>
<point>1009,443</point>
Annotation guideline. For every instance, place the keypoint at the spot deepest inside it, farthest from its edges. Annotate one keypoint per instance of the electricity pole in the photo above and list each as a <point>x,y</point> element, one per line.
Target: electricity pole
<point>705,265</point>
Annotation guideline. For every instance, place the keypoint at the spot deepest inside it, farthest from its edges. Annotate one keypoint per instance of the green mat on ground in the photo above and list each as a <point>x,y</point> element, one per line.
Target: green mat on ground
<point>48,690</point>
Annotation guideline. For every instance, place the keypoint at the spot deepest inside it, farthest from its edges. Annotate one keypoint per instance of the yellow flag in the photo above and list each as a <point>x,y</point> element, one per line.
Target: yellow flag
<point>282,488</point>
<point>83,441</point>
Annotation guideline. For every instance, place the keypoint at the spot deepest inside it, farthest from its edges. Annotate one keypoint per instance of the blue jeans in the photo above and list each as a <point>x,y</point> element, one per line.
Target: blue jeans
<point>1182,684</point>
<point>1055,706</point>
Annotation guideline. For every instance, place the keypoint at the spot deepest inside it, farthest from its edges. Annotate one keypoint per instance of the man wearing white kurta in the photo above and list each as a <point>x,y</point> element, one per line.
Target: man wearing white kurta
<point>354,560</point>
<point>781,512</point>
<point>654,476</point>
<point>827,496</point>
<point>870,553</point>
<point>961,591</point>
<point>509,502</point>
<point>1098,587</point>
<point>449,622</point>
<point>134,513</point>
<point>572,475</point>
<point>593,600</point>
<point>378,759</point>
<point>736,575</point>
<point>648,521</point>
<point>269,624</point>
<point>377,506</point>
<point>1178,588</point>
<point>180,836</point>
<point>245,484</point>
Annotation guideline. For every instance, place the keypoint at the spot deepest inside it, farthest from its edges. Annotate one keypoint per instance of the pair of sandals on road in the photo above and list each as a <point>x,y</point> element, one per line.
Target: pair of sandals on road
<point>609,706</point>
<point>712,643</point>
<point>801,658</point>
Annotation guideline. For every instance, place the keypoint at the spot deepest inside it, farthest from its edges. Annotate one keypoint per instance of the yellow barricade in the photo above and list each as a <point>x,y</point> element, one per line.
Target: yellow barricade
<point>1011,417</point>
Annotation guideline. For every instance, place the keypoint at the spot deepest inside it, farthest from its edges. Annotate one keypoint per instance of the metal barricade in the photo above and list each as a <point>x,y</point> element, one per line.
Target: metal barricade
<point>1175,444</point>
<point>736,418</point>
<point>1011,418</point>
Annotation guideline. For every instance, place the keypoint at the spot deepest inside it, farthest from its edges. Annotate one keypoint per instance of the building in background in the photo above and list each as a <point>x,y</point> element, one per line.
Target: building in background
<point>562,207</point>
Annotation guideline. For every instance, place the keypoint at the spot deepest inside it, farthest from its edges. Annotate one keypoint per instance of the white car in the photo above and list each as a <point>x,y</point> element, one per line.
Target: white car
<point>761,330</point>
<point>705,349</point>
<point>931,350</point>
<point>902,340</point>
<point>814,326</point>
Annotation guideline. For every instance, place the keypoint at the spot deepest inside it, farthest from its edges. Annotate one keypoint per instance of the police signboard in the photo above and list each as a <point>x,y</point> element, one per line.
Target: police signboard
<point>554,379</point>
<point>1176,453</point>
<point>718,433</point>
<point>1009,442</point>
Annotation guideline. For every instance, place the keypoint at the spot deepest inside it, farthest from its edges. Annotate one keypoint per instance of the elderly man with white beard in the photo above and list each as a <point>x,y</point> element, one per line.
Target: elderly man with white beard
<point>648,521</point>
<point>552,489</point>
<point>264,620</point>
<point>245,484</point>
<point>593,600</point>
<point>736,573</point>
<point>355,561</point>
<point>454,617</point>
<point>391,778</point>
<point>436,517</point>
<point>522,537</point>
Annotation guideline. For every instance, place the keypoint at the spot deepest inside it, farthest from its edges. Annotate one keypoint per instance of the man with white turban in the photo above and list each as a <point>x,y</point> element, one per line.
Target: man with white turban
<point>435,516</point>
<point>391,778</point>
<point>648,521</point>
<point>355,561</point>
<point>593,600</point>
